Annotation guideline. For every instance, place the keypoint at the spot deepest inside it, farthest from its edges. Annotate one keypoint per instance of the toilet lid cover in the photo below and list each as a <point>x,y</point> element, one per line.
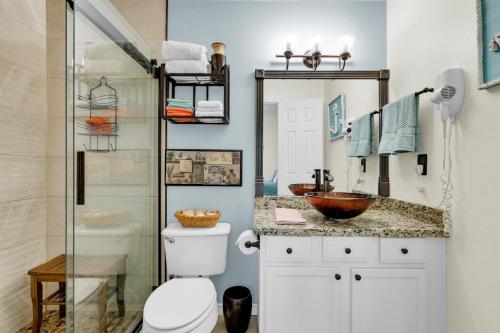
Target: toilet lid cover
<point>178,303</point>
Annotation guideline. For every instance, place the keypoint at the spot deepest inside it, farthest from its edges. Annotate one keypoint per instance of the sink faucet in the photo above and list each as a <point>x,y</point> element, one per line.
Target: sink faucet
<point>327,178</point>
<point>317,180</point>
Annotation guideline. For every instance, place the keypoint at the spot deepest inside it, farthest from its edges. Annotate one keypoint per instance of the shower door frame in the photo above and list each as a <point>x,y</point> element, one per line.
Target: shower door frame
<point>150,66</point>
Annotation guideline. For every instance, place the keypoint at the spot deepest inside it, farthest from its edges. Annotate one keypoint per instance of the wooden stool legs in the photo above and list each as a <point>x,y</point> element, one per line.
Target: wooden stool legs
<point>36,298</point>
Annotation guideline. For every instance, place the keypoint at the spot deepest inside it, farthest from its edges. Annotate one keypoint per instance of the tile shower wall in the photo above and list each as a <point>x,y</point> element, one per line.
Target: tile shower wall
<point>23,134</point>
<point>253,32</point>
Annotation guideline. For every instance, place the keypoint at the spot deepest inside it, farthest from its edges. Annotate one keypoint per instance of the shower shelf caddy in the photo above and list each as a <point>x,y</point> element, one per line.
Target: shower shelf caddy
<point>201,81</point>
<point>105,106</point>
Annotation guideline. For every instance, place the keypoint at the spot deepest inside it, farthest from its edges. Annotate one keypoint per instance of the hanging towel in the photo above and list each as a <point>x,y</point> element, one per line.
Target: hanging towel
<point>390,113</point>
<point>408,133</point>
<point>210,104</point>
<point>362,137</point>
<point>172,50</point>
<point>187,66</point>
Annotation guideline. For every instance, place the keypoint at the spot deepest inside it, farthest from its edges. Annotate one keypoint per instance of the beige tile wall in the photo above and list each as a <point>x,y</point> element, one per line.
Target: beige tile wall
<point>148,18</point>
<point>23,134</point>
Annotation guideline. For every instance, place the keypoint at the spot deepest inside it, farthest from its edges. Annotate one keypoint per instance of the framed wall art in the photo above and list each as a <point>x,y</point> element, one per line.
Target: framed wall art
<point>488,42</point>
<point>198,167</point>
<point>336,117</point>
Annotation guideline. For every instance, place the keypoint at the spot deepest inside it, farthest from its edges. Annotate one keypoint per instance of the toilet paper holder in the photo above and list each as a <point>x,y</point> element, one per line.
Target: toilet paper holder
<point>249,244</point>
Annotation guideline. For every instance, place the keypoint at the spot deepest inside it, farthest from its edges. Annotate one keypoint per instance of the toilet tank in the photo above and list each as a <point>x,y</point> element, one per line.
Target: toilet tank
<point>196,251</point>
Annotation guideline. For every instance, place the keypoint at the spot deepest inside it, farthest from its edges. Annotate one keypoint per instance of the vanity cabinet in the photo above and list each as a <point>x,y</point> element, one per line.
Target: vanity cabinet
<point>312,292</point>
<point>352,284</point>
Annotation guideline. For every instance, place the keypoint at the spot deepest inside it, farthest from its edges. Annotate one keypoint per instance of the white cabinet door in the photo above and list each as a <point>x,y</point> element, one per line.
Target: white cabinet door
<point>300,300</point>
<point>388,301</point>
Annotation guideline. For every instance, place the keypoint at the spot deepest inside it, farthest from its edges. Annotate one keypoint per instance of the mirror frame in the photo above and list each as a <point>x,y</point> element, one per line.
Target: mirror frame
<point>382,76</point>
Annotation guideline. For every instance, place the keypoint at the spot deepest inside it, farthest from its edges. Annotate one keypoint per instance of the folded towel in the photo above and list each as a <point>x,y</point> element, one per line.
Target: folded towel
<point>187,66</point>
<point>179,103</point>
<point>408,133</point>
<point>172,50</point>
<point>390,113</point>
<point>289,216</point>
<point>210,104</point>
<point>178,112</point>
<point>362,137</point>
<point>218,113</point>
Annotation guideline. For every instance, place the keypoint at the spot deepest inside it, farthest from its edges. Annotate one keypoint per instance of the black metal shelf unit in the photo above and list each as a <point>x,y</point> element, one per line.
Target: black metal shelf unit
<point>195,80</point>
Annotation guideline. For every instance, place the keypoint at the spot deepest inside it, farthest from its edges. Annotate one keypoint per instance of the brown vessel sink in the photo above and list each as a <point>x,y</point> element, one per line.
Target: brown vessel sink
<point>340,205</point>
<point>301,189</point>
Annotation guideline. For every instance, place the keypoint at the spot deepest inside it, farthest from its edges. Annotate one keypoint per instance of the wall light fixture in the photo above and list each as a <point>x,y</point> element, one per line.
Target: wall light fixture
<point>312,57</point>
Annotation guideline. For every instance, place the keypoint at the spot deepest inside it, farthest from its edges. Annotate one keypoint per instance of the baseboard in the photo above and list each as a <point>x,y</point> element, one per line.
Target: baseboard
<point>254,309</point>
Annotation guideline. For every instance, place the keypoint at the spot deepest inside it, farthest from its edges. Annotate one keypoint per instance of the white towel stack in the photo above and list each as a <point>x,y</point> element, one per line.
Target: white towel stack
<point>209,109</point>
<point>183,57</point>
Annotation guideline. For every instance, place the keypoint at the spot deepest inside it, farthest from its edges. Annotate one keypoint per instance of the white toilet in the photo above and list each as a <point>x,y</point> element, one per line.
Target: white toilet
<point>188,302</point>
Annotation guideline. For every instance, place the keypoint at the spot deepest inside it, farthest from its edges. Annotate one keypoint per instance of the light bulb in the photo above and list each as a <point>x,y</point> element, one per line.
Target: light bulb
<point>346,42</point>
<point>316,42</point>
<point>289,41</point>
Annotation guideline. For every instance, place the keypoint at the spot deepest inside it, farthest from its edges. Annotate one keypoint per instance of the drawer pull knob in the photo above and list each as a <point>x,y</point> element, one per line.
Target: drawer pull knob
<point>338,277</point>
<point>405,251</point>
<point>357,277</point>
<point>289,250</point>
<point>347,250</point>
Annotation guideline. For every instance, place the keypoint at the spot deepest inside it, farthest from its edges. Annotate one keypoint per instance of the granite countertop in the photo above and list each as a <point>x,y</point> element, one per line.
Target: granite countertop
<point>387,217</point>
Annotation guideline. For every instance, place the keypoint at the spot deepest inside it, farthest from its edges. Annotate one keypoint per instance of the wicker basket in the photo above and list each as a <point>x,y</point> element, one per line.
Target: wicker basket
<point>197,221</point>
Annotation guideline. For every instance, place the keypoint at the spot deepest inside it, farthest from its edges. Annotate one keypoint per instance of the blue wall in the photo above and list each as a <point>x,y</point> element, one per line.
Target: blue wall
<point>253,32</point>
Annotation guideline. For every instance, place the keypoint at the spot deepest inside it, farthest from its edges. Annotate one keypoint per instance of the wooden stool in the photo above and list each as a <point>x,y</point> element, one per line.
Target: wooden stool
<point>54,270</point>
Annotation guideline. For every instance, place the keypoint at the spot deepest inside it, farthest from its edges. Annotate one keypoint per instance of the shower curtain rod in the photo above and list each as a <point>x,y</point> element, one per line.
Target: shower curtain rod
<point>103,24</point>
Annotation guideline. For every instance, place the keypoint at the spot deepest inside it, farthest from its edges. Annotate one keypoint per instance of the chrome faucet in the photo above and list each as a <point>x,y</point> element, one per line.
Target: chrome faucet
<point>327,178</point>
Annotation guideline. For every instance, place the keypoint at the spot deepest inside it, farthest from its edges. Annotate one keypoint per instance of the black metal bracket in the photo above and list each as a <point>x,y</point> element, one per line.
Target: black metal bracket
<point>422,160</point>
<point>423,91</point>
<point>249,244</point>
<point>363,164</point>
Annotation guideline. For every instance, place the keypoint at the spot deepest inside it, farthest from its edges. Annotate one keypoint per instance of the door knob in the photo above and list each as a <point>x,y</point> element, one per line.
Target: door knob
<point>337,277</point>
<point>357,277</point>
<point>347,250</point>
<point>289,250</point>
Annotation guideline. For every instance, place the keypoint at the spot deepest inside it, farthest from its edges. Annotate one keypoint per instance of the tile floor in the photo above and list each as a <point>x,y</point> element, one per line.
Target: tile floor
<point>53,324</point>
<point>221,327</point>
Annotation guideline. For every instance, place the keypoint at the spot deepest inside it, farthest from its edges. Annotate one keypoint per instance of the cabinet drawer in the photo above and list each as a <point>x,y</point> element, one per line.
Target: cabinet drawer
<point>289,249</point>
<point>402,250</point>
<point>346,249</point>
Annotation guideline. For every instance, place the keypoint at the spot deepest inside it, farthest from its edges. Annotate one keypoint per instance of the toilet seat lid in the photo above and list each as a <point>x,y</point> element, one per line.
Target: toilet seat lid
<point>178,303</point>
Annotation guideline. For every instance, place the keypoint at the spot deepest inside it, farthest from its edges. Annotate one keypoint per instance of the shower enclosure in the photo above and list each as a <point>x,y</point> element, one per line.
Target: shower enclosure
<point>112,150</point>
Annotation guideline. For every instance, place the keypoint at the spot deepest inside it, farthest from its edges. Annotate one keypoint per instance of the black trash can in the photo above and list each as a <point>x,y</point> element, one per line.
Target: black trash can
<point>237,307</point>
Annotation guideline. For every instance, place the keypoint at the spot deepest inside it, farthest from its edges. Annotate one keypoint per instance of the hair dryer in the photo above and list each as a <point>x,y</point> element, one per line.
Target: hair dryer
<point>449,92</point>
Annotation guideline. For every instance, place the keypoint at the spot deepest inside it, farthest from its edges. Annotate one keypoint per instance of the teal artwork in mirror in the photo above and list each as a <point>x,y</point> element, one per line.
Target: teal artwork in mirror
<point>336,117</point>
<point>488,33</point>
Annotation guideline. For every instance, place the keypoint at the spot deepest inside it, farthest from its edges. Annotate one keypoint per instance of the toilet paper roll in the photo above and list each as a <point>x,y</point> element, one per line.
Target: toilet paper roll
<point>246,236</point>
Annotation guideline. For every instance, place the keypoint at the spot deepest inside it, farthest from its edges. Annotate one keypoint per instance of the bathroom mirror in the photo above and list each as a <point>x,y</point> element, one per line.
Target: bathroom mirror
<point>300,116</point>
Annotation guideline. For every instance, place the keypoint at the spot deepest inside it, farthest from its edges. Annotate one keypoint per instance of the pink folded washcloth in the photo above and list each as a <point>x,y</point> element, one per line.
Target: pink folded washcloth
<point>289,216</point>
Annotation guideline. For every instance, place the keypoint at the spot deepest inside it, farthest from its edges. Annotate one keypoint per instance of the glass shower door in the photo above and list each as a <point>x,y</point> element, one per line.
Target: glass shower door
<point>112,177</point>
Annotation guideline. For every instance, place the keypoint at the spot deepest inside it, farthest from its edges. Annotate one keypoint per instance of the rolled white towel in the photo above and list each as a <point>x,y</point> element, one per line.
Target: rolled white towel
<point>172,50</point>
<point>186,66</point>
<point>209,104</point>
